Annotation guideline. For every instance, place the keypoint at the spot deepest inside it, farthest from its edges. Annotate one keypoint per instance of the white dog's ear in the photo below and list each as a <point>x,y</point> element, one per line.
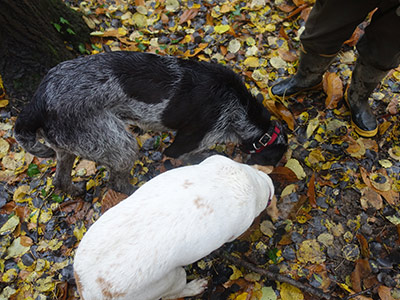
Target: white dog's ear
<point>265,169</point>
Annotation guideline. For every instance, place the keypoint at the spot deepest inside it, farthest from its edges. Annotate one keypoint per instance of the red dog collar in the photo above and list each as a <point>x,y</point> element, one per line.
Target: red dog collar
<point>264,141</point>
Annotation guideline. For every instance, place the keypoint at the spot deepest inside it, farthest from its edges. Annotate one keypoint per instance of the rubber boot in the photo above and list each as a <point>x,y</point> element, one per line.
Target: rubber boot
<point>308,77</point>
<point>365,79</point>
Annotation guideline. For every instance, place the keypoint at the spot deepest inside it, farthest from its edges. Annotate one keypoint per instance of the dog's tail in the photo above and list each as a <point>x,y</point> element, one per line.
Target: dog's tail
<point>29,121</point>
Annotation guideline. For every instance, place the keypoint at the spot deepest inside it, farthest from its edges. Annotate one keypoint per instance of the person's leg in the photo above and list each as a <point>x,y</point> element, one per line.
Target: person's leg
<point>331,22</point>
<point>379,51</point>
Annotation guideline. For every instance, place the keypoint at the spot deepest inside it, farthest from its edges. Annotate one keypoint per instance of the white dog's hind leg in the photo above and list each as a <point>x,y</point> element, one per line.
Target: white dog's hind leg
<point>180,288</point>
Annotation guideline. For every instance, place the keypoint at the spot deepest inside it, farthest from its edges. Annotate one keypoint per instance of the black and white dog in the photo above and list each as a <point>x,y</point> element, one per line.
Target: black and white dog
<point>83,107</point>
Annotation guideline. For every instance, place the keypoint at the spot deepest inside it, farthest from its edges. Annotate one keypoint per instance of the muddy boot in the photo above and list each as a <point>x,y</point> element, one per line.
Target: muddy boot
<point>365,79</point>
<point>308,76</point>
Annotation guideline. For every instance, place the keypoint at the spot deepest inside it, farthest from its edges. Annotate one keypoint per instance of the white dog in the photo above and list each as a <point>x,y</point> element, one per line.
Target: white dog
<point>136,250</point>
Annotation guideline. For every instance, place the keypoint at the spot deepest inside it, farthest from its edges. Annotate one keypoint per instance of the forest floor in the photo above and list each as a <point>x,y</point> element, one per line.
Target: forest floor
<point>337,228</point>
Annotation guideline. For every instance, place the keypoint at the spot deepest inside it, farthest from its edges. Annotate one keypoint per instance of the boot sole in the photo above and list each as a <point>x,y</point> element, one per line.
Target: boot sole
<point>361,132</point>
<point>282,98</point>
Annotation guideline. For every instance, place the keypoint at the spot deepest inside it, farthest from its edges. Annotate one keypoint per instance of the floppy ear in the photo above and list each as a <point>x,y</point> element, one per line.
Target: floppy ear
<point>260,98</point>
<point>266,169</point>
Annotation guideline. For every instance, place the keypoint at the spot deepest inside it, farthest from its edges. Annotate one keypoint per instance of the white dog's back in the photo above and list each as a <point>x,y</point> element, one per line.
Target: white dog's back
<point>173,220</point>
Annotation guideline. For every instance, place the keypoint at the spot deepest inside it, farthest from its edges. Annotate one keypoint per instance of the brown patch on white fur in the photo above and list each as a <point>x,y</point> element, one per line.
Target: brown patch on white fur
<point>106,288</point>
<point>265,169</point>
<point>199,203</point>
<point>78,284</point>
<point>186,184</point>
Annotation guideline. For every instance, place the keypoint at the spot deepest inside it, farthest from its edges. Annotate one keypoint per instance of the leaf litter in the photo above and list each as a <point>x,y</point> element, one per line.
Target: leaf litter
<point>337,221</point>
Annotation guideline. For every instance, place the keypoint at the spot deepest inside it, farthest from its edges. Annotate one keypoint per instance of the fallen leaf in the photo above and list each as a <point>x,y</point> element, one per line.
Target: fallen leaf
<point>361,271</point>
<point>333,87</point>
<point>384,293</point>
<point>296,167</point>
<point>363,245</point>
<point>370,198</point>
<point>187,15</point>
<point>110,199</point>
<point>289,292</point>
<point>310,252</point>
<point>287,55</point>
<point>16,249</point>
<point>277,62</point>
<point>252,62</point>
<point>311,191</point>
<point>283,175</point>
<point>222,28</point>
<point>10,225</point>
<point>281,112</point>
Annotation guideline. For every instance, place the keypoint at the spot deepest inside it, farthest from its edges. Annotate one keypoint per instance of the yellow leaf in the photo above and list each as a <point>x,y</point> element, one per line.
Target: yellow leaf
<point>79,231</point>
<point>16,249</point>
<point>139,19</point>
<point>10,275</point>
<point>270,27</point>
<point>45,284</point>
<point>3,103</point>
<point>268,293</point>
<point>242,296</point>
<point>310,251</point>
<point>10,225</point>
<point>289,292</point>
<point>221,28</point>
<point>294,165</point>
<point>236,273</point>
<point>122,31</point>
<point>252,62</point>
<point>314,123</point>
<point>20,193</point>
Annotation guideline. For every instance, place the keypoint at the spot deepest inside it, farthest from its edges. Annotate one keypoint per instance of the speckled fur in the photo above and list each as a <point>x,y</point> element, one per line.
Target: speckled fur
<point>84,106</point>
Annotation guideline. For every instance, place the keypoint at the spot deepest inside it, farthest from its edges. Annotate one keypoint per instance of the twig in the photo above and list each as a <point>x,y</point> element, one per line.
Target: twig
<point>361,293</point>
<point>278,277</point>
<point>40,210</point>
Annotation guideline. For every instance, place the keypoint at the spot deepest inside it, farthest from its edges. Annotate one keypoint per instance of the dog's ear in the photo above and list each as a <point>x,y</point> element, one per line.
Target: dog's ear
<point>266,169</point>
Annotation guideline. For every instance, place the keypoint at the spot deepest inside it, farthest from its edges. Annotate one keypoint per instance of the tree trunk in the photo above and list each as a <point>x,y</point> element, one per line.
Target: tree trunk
<point>34,36</point>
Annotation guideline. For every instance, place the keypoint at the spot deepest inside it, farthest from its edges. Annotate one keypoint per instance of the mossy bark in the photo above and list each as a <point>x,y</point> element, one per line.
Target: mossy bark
<point>33,38</point>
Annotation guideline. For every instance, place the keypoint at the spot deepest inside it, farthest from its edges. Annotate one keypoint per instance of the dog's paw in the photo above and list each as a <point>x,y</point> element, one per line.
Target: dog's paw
<point>76,189</point>
<point>195,287</point>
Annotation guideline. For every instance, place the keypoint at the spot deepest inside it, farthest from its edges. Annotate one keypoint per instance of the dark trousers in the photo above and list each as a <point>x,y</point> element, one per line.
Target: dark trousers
<point>332,22</point>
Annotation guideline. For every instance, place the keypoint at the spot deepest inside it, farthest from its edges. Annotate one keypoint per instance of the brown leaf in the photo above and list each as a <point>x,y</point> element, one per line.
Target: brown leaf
<point>286,55</point>
<point>370,198</point>
<point>280,111</point>
<point>361,271</point>
<point>385,293</point>
<point>390,196</point>
<point>333,87</point>
<point>187,15</point>
<point>363,245</point>
<point>305,13</point>
<point>352,41</point>
<point>272,209</point>
<point>26,241</point>
<point>110,199</point>
<point>394,105</point>
<point>286,8</point>
<point>296,11</point>
<point>200,48</point>
<point>283,175</point>
<point>298,2</point>
<point>283,34</point>
<point>311,191</point>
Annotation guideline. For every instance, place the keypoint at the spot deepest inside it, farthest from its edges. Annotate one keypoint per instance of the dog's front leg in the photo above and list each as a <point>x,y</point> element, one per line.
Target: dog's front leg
<point>184,142</point>
<point>62,179</point>
<point>177,287</point>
